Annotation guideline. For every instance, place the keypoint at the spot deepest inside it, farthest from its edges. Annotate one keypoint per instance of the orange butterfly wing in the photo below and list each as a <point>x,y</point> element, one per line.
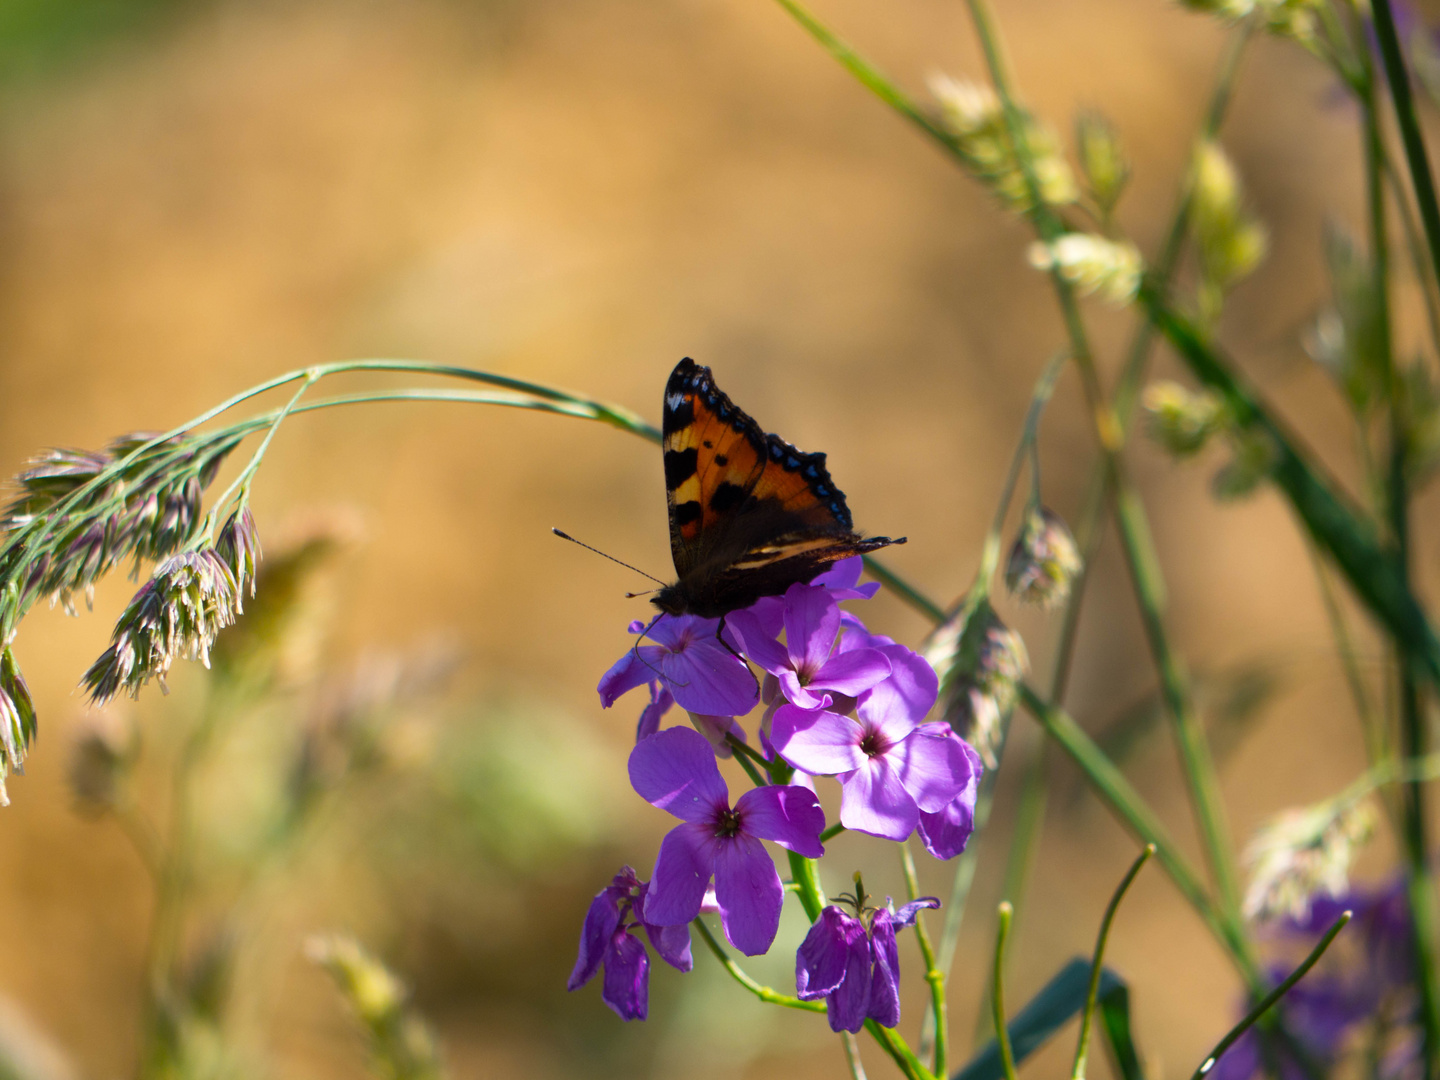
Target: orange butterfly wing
<point>750,514</point>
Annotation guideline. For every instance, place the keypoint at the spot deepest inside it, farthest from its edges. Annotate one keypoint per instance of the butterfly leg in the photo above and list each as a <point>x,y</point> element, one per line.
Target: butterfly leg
<point>720,636</point>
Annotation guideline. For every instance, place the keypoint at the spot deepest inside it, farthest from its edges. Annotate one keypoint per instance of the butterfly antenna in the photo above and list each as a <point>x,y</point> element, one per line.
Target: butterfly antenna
<point>597,551</point>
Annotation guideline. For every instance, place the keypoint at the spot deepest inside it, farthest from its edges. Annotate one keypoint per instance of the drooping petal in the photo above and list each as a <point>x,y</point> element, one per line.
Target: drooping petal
<point>812,619</point>
<point>788,815</point>
<point>817,741</point>
<point>906,914</point>
<point>821,960</point>
<point>660,701</point>
<point>912,686</point>
<point>946,833</point>
<point>682,870</point>
<point>847,1007</point>
<point>757,643</point>
<point>600,923</point>
<point>635,668</point>
<point>626,987</point>
<point>706,677</point>
<point>852,673</point>
<point>934,769</point>
<point>874,801</point>
<point>675,770</point>
<point>749,892</point>
<point>884,1006</point>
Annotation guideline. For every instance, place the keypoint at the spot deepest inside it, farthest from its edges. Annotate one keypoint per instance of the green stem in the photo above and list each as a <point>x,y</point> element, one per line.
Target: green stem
<point>933,975</point>
<point>1410,134</point>
<point>764,993</point>
<point>852,1056</point>
<point>806,875</point>
<point>1271,998</point>
<point>242,482</point>
<point>997,993</point>
<point>831,832</point>
<point>1082,1048</point>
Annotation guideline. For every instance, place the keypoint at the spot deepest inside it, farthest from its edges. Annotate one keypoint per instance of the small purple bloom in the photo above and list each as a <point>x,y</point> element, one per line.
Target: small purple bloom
<point>891,768</point>
<point>676,771</point>
<point>858,974</point>
<point>808,664</point>
<point>607,941</point>
<point>691,661</point>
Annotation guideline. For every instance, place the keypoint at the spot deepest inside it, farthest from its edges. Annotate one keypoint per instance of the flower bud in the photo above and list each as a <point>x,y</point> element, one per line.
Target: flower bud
<point>1102,162</point>
<point>980,660</point>
<point>1181,420</point>
<point>1231,243</point>
<point>1301,854</point>
<point>1092,264</point>
<point>1043,560</point>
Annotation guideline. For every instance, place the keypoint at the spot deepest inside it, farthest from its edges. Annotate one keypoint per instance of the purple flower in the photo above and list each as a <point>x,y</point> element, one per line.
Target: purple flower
<point>607,941</point>
<point>857,974</point>
<point>891,768</point>
<point>691,661</point>
<point>808,664</point>
<point>1365,982</point>
<point>676,771</point>
<point>840,581</point>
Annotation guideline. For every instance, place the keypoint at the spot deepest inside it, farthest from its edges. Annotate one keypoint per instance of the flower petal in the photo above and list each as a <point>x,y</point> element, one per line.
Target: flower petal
<point>819,742</point>
<point>840,580</point>
<point>682,870</point>
<point>660,701</point>
<point>852,672</point>
<point>789,815</point>
<point>600,923</point>
<point>706,677</point>
<point>848,1006</point>
<point>912,686</point>
<point>631,670</point>
<point>934,769</point>
<point>749,892</point>
<point>884,1007</point>
<point>672,943</point>
<point>874,801</point>
<point>884,716</point>
<point>626,988</point>
<point>797,694</point>
<point>907,913</point>
<point>756,643</point>
<point>675,770</point>
<point>822,957</point>
<point>812,619</point>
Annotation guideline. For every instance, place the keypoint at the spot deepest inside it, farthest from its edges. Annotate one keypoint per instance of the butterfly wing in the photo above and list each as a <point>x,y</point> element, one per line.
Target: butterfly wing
<point>750,515</point>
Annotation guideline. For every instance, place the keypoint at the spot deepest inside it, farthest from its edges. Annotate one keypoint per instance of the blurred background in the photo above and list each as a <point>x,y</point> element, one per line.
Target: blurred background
<point>197,195</point>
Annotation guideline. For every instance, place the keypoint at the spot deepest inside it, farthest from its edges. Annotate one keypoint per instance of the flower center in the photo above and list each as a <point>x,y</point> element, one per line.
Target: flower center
<point>874,744</point>
<point>727,823</point>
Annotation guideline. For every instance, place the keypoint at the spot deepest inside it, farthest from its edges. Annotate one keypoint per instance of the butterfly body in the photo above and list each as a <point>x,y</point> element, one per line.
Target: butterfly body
<point>750,515</point>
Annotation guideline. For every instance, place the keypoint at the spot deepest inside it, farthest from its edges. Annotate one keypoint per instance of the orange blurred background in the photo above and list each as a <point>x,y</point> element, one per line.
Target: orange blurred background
<point>580,193</point>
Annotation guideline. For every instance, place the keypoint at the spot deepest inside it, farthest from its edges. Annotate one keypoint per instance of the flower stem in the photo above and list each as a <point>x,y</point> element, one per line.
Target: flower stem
<point>1082,1047</point>
<point>764,993</point>
<point>1271,998</point>
<point>933,975</point>
<point>852,1056</point>
<point>997,992</point>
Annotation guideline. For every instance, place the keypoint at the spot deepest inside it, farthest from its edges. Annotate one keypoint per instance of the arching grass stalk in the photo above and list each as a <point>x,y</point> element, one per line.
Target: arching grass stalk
<point>1082,1045</point>
<point>1271,998</point>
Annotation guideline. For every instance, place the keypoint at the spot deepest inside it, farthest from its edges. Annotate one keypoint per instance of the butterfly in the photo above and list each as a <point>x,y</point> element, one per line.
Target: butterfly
<point>750,515</point>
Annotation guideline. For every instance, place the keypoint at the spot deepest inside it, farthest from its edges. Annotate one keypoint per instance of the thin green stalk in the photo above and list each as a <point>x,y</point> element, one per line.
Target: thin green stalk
<point>1271,998</point>
<point>806,875</point>
<point>852,1056</point>
<point>933,975</point>
<point>1199,768</point>
<point>997,992</point>
<point>242,482</point>
<point>832,832</point>
<point>1415,249</point>
<point>764,993</point>
<point>1082,1047</point>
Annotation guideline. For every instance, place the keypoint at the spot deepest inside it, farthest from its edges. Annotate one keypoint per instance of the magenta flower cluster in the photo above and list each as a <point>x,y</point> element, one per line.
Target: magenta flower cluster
<point>838,702</point>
